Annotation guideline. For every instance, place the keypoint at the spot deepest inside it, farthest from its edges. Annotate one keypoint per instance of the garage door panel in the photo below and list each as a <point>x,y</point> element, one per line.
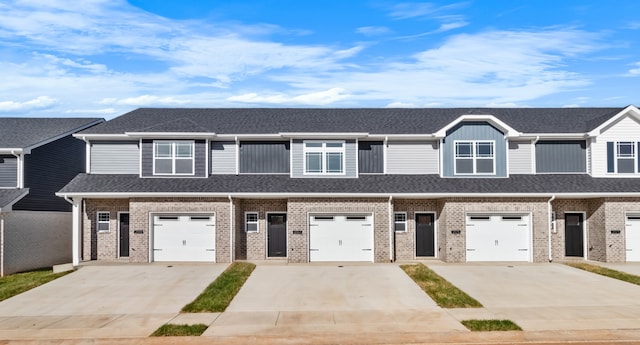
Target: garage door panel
<point>184,238</point>
<point>632,237</point>
<point>498,238</point>
<point>341,238</point>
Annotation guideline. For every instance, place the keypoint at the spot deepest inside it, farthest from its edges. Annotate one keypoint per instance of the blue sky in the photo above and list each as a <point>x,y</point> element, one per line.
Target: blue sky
<point>106,57</point>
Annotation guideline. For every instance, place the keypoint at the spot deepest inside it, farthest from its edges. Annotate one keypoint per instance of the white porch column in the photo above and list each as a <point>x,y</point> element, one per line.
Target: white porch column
<point>76,213</point>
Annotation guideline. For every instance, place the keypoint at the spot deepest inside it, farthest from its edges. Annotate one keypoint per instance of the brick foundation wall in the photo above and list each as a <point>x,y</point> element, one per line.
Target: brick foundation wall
<point>103,245</point>
<point>298,220</point>
<point>141,208</point>
<point>405,242</point>
<point>253,245</point>
<point>615,219</point>
<point>562,206</point>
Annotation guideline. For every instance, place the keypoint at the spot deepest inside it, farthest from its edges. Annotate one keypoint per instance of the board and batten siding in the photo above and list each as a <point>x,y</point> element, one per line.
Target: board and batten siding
<point>223,157</point>
<point>8,171</point>
<point>412,157</point>
<point>370,157</point>
<point>520,157</point>
<point>480,131</point>
<point>561,156</point>
<point>115,157</point>
<point>264,157</point>
<point>199,156</point>
<point>626,129</point>
<point>351,160</point>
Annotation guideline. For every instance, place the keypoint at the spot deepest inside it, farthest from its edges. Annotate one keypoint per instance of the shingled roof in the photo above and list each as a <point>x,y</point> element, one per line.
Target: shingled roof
<point>322,120</point>
<point>21,133</point>
<point>365,184</point>
<point>11,196</point>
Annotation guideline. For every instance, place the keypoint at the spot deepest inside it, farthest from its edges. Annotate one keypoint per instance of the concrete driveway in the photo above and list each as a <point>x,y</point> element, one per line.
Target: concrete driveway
<point>113,301</point>
<point>548,296</point>
<point>331,298</point>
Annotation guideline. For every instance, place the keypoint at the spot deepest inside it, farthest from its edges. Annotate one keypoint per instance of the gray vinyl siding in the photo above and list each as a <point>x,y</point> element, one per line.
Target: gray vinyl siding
<point>520,157</point>
<point>115,157</point>
<point>199,155</point>
<point>412,157</point>
<point>8,171</point>
<point>297,162</point>
<point>370,157</point>
<point>474,131</point>
<point>264,157</point>
<point>561,156</point>
<point>223,157</point>
<point>49,168</point>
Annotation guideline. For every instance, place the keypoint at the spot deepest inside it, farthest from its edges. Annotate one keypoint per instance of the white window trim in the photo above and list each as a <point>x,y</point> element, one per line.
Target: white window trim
<point>396,222</point>
<point>474,157</point>
<point>323,151</point>
<point>634,147</point>
<point>98,222</point>
<point>257,222</point>
<point>174,157</point>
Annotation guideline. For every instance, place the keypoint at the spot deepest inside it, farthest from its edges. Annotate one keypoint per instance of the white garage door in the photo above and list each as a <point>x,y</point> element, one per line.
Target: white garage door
<point>633,237</point>
<point>184,238</point>
<point>341,237</point>
<point>498,238</point>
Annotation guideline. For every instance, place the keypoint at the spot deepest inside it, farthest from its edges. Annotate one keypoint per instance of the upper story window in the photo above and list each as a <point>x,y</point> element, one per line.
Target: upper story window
<point>622,157</point>
<point>324,157</point>
<point>474,157</point>
<point>173,158</point>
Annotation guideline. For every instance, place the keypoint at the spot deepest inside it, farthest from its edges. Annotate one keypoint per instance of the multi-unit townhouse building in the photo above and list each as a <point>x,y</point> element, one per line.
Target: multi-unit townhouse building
<point>38,156</point>
<point>377,185</point>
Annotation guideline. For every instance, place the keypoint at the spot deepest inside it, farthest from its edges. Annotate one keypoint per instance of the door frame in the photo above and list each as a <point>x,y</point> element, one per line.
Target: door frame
<point>286,236</point>
<point>435,234</point>
<point>585,238</point>
<point>119,230</point>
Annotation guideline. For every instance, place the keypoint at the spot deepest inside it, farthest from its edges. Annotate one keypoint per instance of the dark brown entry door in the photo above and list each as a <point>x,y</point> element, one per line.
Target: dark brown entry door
<point>425,244</point>
<point>573,234</point>
<point>277,235</point>
<point>124,234</point>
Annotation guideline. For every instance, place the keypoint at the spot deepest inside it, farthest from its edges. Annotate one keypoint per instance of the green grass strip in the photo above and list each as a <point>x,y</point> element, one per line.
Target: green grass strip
<point>169,330</point>
<point>490,325</point>
<point>18,283</point>
<point>607,272</point>
<point>217,296</point>
<point>445,294</point>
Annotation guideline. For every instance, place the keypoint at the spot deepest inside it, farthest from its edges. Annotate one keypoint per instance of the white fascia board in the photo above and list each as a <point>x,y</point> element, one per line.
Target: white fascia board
<point>508,131</point>
<point>405,136</point>
<point>88,137</point>
<point>543,136</point>
<point>61,135</point>
<point>11,151</point>
<point>248,136</point>
<point>311,135</point>
<point>170,135</point>
<point>630,110</point>
<point>349,195</point>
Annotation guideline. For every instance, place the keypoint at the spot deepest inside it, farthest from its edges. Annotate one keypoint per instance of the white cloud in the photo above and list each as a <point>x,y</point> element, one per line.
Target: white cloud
<point>408,10</point>
<point>373,30</point>
<point>400,105</point>
<point>36,103</point>
<point>145,100</point>
<point>635,71</point>
<point>314,98</point>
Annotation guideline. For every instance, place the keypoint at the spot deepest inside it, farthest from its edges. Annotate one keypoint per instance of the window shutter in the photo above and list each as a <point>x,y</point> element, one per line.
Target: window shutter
<point>610,156</point>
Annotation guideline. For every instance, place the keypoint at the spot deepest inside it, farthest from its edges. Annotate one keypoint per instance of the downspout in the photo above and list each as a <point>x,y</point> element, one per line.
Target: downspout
<point>549,212</point>
<point>1,244</point>
<point>19,168</point>
<point>391,249</point>
<point>533,154</point>
<point>231,222</point>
